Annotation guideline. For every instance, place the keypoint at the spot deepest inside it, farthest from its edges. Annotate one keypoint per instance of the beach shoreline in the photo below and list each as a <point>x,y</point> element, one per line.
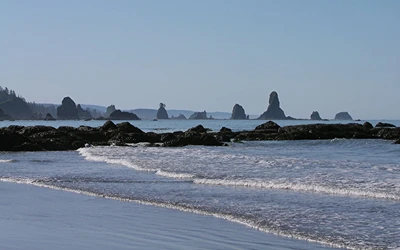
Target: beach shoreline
<point>53,219</point>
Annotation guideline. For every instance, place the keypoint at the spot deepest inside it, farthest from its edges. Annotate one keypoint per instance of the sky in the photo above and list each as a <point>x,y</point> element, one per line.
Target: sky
<point>325,56</point>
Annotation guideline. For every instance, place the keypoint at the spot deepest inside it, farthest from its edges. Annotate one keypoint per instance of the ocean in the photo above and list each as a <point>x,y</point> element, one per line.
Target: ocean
<point>339,193</point>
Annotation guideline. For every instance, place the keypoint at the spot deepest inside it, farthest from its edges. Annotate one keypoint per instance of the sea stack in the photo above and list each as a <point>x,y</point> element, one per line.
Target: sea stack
<point>315,116</point>
<point>274,112</point>
<point>343,116</point>
<point>162,112</point>
<point>238,113</point>
<point>67,110</point>
<point>199,116</point>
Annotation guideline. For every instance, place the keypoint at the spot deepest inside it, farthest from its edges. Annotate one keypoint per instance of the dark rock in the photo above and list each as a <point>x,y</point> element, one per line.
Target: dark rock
<point>397,142</point>
<point>194,139</point>
<point>122,115</point>
<point>389,133</point>
<point>9,140</point>
<point>49,117</point>
<point>198,129</point>
<point>273,111</point>
<point>270,125</point>
<point>384,125</point>
<point>26,146</point>
<point>225,130</point>
<point>343,116</point>
<point>315,116</point>
<point>324,131</point>
<point>367,125</point>
<point>108,125</point>
<point>66,129</point>
<point>199,116</point>
<point>67,110</point>
<point>31,130</point>
<point>162,112</point>
<point>238,113</point>
<point>126,127</point>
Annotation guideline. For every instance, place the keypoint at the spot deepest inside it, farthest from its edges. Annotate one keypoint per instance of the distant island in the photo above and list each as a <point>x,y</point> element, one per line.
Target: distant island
<point>15,107</point>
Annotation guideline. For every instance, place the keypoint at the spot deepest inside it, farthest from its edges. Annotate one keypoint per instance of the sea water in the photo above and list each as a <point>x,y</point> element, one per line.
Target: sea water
<point>344,193</point>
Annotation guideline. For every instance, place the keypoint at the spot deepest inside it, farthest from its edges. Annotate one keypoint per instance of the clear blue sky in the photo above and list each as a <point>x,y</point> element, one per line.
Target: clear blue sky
<point>328,56</point>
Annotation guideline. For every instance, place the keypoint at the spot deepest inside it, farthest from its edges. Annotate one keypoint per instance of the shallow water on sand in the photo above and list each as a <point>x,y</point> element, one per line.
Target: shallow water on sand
<point>344,193</point>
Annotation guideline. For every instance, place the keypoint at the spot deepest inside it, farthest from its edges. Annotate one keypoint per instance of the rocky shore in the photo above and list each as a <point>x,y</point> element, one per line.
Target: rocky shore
<point>41,138</point>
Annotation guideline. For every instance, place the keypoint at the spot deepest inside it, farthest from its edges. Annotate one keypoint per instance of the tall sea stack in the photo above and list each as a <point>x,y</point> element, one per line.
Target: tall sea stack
<point>162,112</point>
<point>274,112</point>
<point>67,110</point>
<point>238,113</point>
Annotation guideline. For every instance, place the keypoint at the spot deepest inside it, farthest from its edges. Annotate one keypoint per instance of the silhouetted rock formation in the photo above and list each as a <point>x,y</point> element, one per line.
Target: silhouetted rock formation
<point>199,116</point>
<point>67,110</point>
<point>83,114</point>
<point>238,113</point>
<point>273,111</point>
<point>110,109</point>
<point>49,117</point>
<point>162,112</point>
<point>344,116</point>
<point>4,116</point>
<point>122,115</point>
<point>315,116</point>
<point>179,117</point>
<point>38,138</point>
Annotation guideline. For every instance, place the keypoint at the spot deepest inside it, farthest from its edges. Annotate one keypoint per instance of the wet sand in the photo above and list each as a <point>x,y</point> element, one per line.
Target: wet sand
<point>40,218</point>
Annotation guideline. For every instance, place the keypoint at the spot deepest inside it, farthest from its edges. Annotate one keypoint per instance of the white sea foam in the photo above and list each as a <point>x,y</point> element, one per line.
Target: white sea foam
<point>174,175</point>
<point>298,187</point>
<point>90,157</point>
<point>7,161</point>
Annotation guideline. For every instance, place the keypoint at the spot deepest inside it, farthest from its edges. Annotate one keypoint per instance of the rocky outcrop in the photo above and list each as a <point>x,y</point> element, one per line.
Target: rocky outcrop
<point>384,125</point>
<point>162,112</point>
<point>179,117</point>
<point>67,110</point>
<point>37,138</point>
<point>315,116</point>
<point>83,114</point>
<point>122,115</point>
<point>238,113</point>
<point>49,117</point>
<point>199,116</point>
<point>274,112</point>
<point>343,116</point>
<point>110,109</point>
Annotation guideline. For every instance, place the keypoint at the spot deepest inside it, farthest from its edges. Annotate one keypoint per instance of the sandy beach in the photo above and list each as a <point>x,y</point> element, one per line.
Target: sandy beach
<point>40,218</point>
